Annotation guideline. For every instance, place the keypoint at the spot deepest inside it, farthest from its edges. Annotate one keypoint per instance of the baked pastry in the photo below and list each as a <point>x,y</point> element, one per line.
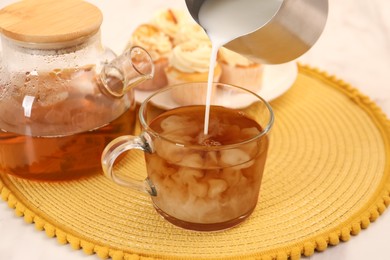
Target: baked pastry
<point>159,46</point>
<point>189,62</point>
<point>240,71</point>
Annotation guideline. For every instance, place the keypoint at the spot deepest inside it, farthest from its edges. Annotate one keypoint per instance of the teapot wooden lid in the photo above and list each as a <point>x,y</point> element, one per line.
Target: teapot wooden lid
<point>49,21</point>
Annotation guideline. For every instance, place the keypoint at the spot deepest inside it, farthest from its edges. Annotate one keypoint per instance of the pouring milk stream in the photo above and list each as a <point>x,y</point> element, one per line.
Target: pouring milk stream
<point>224,20</point>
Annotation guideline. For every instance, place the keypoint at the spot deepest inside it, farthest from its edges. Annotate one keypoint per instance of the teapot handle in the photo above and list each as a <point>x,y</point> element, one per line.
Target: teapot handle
<point>127,71</point>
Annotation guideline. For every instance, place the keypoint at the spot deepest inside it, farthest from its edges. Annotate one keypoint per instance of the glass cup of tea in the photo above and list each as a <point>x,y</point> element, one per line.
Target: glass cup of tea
<point>197,180</point>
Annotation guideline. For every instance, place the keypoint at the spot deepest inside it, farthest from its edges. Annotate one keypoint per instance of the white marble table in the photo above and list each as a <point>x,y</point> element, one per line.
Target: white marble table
<point>355,47</point>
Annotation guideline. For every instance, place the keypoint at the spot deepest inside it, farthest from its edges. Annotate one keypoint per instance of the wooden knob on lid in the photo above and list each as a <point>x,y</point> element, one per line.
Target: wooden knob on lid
<point>49,21</point>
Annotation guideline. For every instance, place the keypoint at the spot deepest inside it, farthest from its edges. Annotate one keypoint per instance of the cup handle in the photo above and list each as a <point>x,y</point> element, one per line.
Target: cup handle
<point>111,153</point>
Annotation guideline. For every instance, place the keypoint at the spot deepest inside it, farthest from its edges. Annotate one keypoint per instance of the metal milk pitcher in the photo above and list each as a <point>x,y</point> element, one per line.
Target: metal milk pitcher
<point>288,34</point>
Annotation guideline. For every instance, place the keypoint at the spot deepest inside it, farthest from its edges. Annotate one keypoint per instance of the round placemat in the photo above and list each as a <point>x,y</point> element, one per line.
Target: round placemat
<point>326,178</point>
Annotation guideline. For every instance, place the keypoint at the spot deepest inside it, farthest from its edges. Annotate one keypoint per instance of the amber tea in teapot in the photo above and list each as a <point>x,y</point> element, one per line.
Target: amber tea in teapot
<point>69,130</point>
<point>63,97</point>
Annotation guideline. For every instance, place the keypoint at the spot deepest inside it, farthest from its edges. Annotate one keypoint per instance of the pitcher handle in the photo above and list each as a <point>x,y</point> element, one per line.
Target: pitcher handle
<point>117,147</point>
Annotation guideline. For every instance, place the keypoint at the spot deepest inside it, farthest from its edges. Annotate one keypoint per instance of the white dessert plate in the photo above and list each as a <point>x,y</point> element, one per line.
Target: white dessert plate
<point>277,79</point>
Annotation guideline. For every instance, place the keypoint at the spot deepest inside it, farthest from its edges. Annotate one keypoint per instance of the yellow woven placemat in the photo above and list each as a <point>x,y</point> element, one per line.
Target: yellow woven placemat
<point>327,177</point>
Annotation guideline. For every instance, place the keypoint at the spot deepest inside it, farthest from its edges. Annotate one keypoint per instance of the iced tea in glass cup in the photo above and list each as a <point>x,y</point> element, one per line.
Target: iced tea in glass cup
<point>199,181</point>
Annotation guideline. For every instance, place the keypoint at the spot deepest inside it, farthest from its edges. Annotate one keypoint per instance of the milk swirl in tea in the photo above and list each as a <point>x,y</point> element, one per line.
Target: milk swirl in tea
<point>212,187</point>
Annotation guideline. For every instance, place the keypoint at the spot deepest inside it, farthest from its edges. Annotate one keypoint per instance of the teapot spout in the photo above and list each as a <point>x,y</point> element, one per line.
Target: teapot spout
<point>127,71</point>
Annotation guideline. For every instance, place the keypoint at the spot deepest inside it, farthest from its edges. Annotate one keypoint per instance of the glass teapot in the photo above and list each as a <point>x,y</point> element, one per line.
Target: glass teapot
<point>63,96</point>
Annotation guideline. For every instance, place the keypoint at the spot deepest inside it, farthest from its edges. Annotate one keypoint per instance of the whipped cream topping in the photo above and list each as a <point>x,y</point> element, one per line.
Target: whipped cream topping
<point>233,58</point>
<point>191,57</point>
<point>169,20</point>
<point>190,31</point>
<point>153,40</point>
